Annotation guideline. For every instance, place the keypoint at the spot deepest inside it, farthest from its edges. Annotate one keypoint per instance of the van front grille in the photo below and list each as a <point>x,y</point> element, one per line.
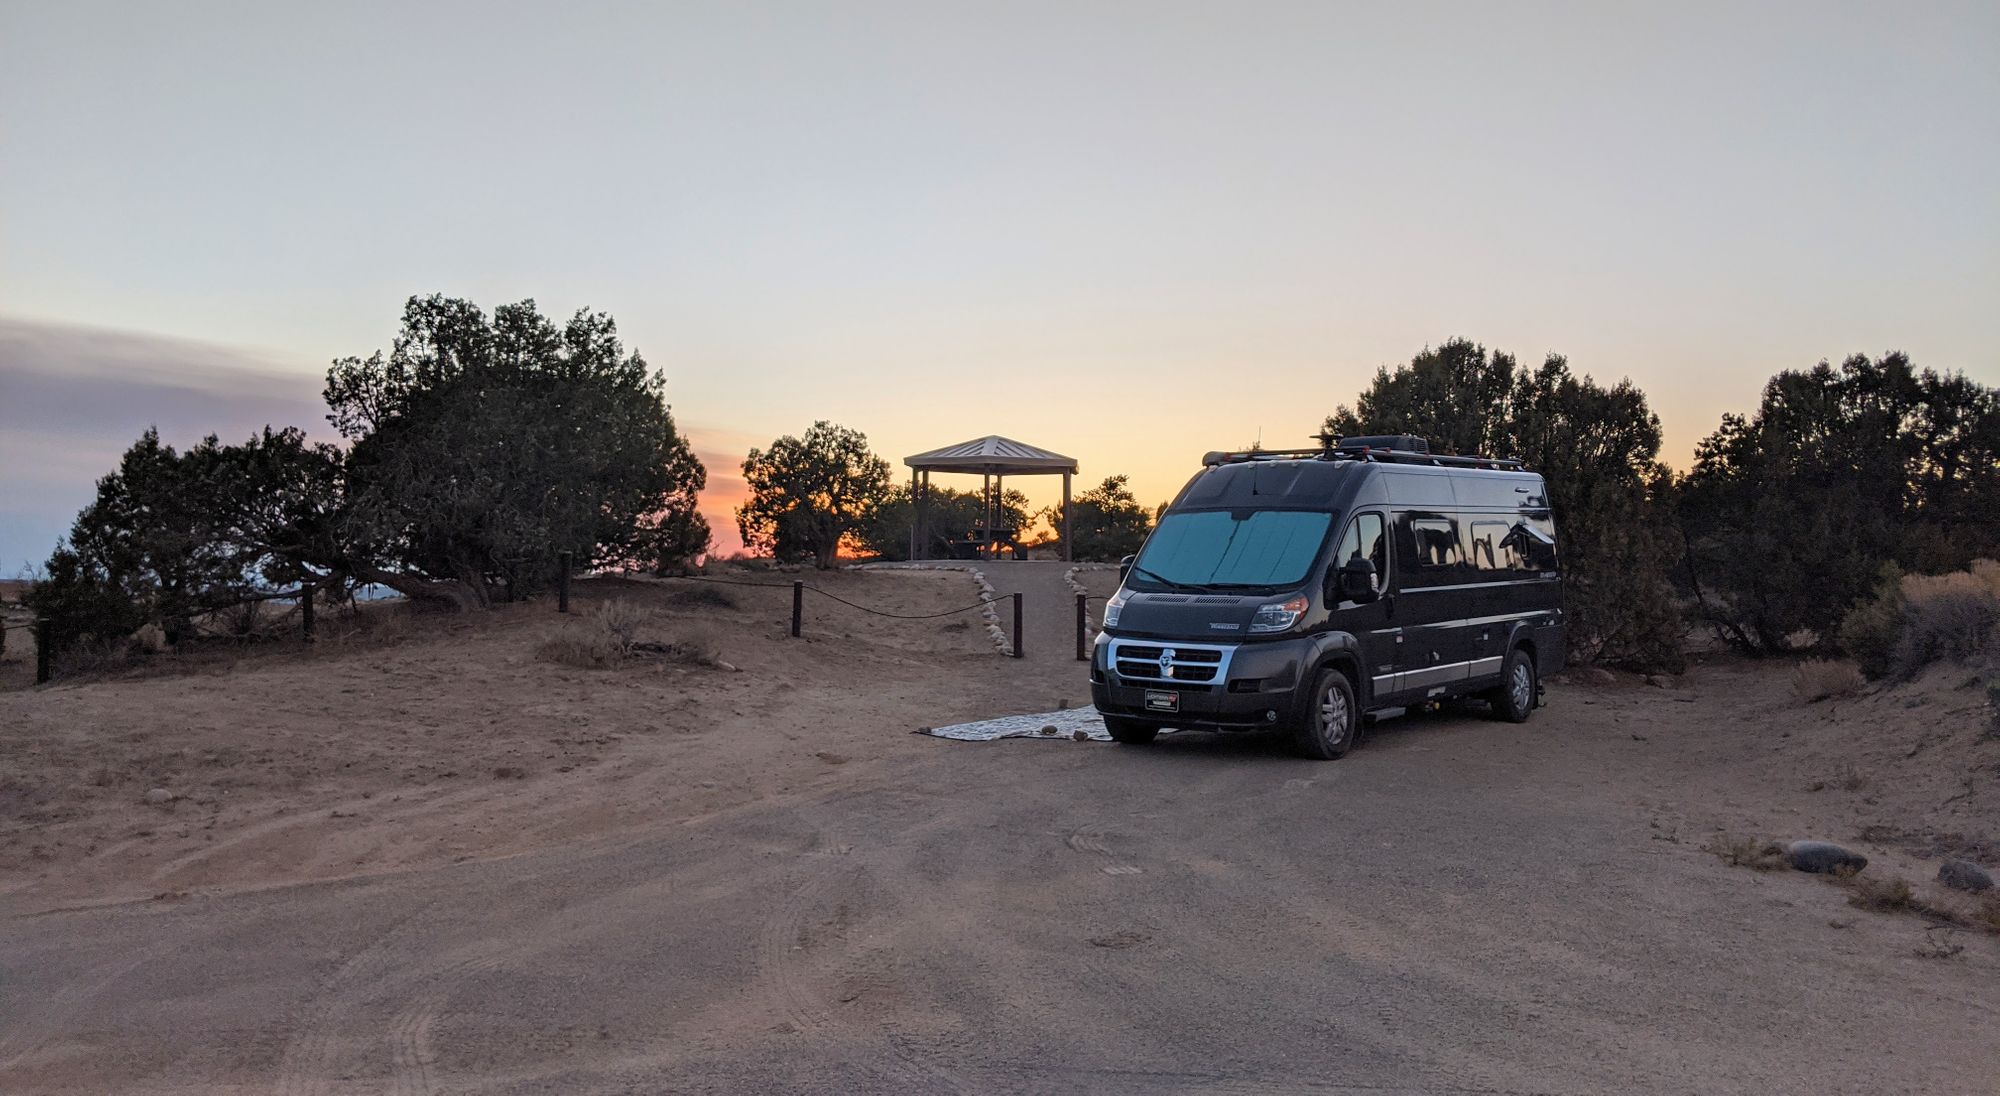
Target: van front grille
<point>1190,664</point>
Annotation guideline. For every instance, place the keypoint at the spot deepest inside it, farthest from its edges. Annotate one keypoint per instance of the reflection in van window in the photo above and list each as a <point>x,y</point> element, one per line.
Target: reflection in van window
<point>1493,549</point>
<point>1436,541</point>
<point>1534,539</point>
<point>1218,548</point>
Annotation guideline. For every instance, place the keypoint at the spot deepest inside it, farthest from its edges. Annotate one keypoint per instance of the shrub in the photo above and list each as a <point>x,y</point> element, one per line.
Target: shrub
<point>585,647</point>
<point>1747,852</point>
<point>1912,621</point>
<point>1819,678</point>
<point>1869,631</point>
<point>618,631</point>
<point>1881,895</point>
<point>1944,617</point>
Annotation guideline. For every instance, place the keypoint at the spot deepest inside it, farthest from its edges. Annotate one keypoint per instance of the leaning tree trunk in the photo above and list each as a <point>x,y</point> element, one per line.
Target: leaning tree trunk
<point>453,594</point>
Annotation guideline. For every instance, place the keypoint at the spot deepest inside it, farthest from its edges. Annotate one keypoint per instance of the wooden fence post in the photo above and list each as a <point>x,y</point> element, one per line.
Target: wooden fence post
<point>306,613</point>
<point>562,585</point>
<point>1082,626</point>
<point>1017,625</point>
<point>44,635</point>
<point>798,605</point>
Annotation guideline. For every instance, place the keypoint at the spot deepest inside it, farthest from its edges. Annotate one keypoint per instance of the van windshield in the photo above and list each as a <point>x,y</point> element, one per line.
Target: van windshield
<point>1243,548</point>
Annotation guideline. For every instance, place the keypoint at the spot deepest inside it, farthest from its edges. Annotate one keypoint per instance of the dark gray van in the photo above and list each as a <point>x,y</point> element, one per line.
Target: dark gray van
<point>1302,589</point>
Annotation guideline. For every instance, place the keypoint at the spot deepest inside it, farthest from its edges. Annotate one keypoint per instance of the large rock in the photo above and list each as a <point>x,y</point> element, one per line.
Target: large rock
<point>1823,858</point>
<point>1966,876</point>
<point>158,796</point>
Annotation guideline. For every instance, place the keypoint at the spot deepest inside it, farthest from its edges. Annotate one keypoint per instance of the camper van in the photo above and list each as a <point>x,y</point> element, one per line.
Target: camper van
<point>1304,590</point>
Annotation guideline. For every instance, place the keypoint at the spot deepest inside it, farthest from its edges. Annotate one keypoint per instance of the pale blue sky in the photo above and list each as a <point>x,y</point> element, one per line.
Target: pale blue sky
<point>1130,232</point>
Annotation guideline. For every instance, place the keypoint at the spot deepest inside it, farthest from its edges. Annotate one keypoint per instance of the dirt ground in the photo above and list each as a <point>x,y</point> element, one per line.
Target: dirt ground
<point>426,859</point>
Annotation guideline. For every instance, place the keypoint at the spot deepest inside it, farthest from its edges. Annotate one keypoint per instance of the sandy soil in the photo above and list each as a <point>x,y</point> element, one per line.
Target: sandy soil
<point>691,879</point>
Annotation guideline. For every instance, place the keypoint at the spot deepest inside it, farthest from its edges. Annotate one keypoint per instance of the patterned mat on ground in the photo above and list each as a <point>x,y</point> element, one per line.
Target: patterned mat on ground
<point>1069,725</point>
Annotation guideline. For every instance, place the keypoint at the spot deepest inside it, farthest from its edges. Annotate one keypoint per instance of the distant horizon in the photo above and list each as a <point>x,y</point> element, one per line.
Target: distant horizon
<point>60,424</point>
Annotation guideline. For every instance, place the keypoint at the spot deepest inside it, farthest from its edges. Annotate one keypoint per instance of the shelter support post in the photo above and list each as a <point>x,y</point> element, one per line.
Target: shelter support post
<point>1068,557</point>
<point>923,543</point>
<point>986,534</point>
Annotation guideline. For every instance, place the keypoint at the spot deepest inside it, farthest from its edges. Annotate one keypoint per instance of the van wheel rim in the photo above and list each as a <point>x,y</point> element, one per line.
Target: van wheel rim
<point>1523,686</point>
<point>1333,715</point>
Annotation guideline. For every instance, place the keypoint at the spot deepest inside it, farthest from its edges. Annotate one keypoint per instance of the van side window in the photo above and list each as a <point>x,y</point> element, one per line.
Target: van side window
<point>1494,550</point>
<point>1435,539</point>
<point>1366,538</point>
<point>1533,539</point>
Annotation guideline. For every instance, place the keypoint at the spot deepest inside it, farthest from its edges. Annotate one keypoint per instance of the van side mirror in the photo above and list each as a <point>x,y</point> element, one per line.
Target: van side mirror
<point>1357,581</point>
<point>1125,565</point>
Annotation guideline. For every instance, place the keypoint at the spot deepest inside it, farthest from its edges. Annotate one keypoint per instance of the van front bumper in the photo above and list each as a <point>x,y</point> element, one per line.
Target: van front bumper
<point>1260,690</point>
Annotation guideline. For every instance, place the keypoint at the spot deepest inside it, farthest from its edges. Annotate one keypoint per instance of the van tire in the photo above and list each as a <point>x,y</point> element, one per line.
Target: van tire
<point>1130,732</point>
<point>1514,698</point>
<point>1331,721</point>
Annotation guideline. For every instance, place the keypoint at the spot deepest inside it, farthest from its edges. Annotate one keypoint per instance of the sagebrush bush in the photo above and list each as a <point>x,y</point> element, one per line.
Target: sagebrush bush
<point>1944,617</point>
<point>1747,852</point>
<point>617,631</point>
<point>1820,678</point>
<point>1912,621</point>
<point>1882,895</point>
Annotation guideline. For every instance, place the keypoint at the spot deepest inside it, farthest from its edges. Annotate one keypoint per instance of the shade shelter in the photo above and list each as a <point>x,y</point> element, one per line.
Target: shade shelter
<point>993,458</point>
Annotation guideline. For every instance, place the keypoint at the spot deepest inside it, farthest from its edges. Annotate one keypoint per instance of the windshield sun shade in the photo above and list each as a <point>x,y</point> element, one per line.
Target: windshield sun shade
<point>1259,548</point>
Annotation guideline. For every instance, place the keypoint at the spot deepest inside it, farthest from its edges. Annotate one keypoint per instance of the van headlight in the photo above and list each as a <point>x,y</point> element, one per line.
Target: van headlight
<point>1278,616</point>
<point>1112,608</point>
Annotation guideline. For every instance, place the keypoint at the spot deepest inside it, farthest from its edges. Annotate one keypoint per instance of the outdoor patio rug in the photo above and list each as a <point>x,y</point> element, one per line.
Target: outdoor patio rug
<point>1068,725</point>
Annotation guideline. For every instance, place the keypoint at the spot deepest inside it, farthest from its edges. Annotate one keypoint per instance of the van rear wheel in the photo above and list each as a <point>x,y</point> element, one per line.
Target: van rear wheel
<point>1327,728</point>
<point>1130,732</point>
<point>1514,698</point>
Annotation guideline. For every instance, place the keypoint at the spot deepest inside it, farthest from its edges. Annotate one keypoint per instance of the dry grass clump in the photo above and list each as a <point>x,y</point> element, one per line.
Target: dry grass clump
<point>1747,852</point>
<point>1820,678</point>
<point>1986,914</point>
<point>1881,895</point>
<point>618,631</point>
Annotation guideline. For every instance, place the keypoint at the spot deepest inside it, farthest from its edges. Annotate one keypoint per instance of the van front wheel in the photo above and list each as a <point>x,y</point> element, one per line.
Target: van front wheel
<point>1130,732</point>
<point>1327,728</point>
<point>1514,698</point>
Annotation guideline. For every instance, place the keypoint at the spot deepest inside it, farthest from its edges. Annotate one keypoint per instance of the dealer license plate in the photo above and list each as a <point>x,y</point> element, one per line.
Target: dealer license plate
<point>1162,700</point>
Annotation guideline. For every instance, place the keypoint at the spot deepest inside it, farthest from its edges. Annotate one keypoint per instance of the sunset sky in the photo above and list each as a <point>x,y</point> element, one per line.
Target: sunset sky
<point>1126,232</point>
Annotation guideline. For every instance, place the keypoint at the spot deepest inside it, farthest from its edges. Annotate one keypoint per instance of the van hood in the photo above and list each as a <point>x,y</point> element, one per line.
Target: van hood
<point>1190,617</point>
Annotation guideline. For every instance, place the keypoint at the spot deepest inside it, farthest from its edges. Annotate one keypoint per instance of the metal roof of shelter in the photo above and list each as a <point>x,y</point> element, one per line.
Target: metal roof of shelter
<point>992,453</point>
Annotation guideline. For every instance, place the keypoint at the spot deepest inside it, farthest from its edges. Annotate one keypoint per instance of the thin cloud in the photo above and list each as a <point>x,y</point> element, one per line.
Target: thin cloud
<point>72,399</point>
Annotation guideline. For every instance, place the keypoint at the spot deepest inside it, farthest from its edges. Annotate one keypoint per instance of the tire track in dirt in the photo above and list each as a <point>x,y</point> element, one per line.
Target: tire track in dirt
<point>166,874</point>
<point>412,1050</point>
<point>790,931</point>
<point>303,1069</point>
<point>1089,840</point>
<point>55,1013</point>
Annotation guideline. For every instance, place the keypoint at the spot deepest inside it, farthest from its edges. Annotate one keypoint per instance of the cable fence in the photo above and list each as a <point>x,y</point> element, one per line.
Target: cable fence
<point>47,630</point>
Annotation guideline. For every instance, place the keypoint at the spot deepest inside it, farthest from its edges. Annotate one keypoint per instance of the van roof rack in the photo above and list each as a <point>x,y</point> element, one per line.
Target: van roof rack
<point>1379,448</point>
